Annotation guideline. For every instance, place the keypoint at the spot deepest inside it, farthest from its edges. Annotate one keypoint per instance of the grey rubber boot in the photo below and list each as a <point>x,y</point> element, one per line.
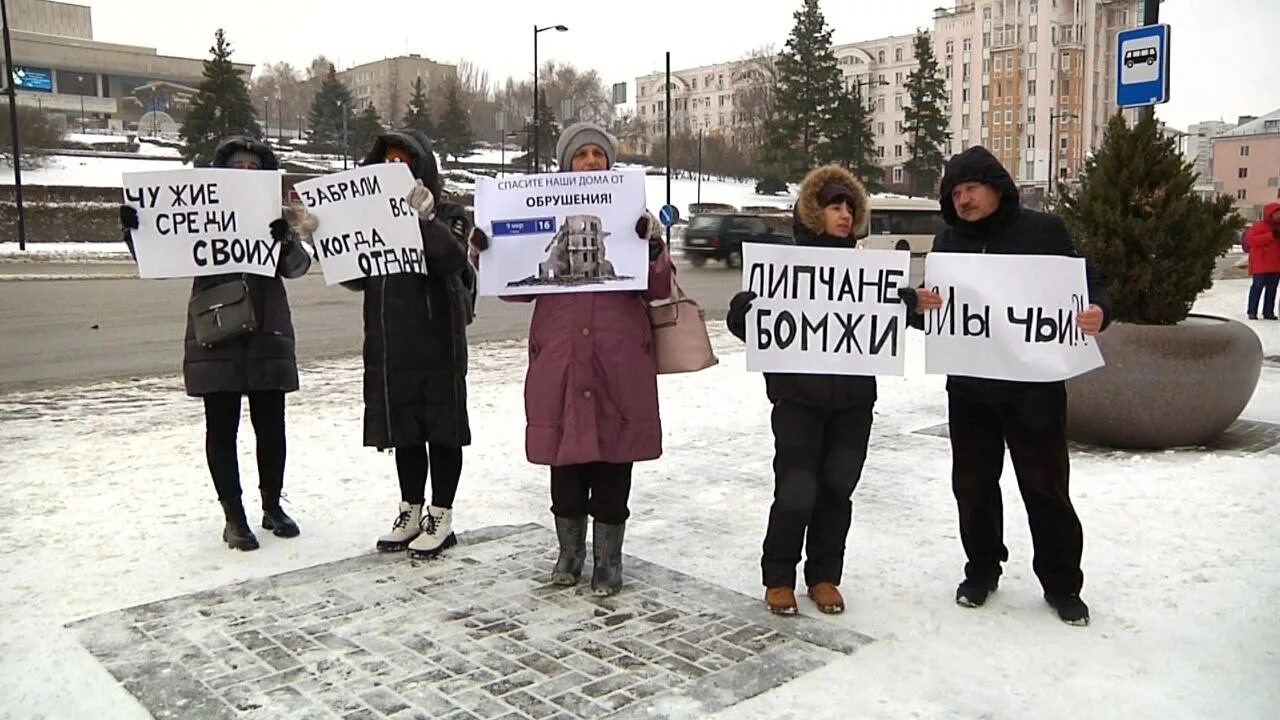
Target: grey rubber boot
<point>606,543</point>
<point>572,534</point>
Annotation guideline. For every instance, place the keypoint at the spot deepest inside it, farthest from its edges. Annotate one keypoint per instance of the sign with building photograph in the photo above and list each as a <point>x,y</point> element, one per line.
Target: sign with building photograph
<point>1008,317</point>
<point>33,78</point>
<point>562,233</point>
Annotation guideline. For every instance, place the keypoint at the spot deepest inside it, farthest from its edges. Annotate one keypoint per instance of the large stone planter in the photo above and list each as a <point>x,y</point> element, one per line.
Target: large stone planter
<point>1165,385</point>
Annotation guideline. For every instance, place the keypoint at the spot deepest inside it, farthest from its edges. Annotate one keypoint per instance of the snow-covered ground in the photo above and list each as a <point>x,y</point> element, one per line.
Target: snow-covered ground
<point>83,171</point>
<point>108,505</point>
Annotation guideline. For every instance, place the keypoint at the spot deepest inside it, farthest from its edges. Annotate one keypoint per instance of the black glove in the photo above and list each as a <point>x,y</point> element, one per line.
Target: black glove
<point>908,297</point>
<point>479,240</point>
<point>737,317</point>
<point>279,230</point>
<point>655,249</point>
<point>128,217</point>
<point>458,226</point>
<point>642,227</point>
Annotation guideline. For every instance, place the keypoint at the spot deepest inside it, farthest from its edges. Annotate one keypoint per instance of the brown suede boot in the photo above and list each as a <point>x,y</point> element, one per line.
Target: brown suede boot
<point>781,600</point>
<point>827,597</point>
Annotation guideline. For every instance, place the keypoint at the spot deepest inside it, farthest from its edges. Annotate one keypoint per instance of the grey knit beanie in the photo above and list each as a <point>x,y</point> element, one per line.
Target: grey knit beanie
<point>584,133</point>
<point>244,156</point>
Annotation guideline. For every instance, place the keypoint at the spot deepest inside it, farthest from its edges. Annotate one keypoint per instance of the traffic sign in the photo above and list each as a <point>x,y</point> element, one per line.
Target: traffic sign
<point>668,215</point>
<point>1142,66</point>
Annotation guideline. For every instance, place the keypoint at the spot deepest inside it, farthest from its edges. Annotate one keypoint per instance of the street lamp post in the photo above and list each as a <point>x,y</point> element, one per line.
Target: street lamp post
<point>279,118</point>
<point>266,119</point>
<point>537,145</point>
<point>1054,116</point>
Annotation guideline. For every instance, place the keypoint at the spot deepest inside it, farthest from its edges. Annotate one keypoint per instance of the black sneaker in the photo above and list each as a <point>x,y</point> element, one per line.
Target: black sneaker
<point>973,592</point>
<point>1071,609</point>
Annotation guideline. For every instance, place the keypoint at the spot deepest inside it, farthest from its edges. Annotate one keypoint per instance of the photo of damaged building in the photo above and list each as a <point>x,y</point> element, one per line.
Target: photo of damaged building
<point>576,255</point>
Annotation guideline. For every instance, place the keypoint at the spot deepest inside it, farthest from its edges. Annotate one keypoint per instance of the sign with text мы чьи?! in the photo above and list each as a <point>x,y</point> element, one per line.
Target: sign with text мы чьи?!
<point>1008,317</point>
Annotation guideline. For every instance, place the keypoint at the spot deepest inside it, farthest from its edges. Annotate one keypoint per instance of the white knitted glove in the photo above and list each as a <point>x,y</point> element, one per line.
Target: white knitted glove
<point>421,200</point>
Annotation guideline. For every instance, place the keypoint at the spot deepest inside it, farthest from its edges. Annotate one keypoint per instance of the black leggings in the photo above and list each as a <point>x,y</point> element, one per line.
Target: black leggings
<point>597,489</point>
<point>445,465</point>
<point>222,423</point>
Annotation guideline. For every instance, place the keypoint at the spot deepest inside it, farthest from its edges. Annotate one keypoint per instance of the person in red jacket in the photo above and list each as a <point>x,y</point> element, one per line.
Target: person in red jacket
<point>1263,244</point>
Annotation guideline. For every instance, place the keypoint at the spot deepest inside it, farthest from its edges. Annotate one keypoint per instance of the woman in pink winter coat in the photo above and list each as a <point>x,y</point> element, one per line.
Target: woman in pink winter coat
<point>591,393</point>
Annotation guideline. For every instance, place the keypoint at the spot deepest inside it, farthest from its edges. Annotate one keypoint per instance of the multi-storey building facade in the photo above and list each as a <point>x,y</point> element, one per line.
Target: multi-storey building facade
<point>387,84</point>
<point>1029,79</point>
<point>1246,164</point>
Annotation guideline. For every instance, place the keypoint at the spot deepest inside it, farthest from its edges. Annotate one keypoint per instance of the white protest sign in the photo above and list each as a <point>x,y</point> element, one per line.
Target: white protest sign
<point>562,233</point>
<point>365,226</point>
<point>831,311</point>
<point>1008,317</point>
<point>208,221</point>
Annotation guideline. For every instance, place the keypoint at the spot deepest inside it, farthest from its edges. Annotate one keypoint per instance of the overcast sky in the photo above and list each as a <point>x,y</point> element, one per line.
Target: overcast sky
<point>1226,53</point>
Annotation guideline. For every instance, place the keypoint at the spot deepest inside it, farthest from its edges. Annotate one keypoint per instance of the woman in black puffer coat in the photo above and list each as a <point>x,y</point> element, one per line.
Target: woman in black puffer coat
<point>415,356</point>
<point>261,364</point>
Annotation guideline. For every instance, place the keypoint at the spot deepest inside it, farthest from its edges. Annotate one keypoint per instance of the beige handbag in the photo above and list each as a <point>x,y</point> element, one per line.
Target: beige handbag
<point>680,339</point>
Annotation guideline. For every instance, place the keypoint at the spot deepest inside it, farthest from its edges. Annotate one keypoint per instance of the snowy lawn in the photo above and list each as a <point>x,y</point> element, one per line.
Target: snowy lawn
<point>108,505</point>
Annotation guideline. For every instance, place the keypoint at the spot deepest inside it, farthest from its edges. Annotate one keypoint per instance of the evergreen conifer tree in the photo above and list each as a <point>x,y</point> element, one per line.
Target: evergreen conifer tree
<point>220,109</point>
<point>1146,233</point>
<point>925,122</point>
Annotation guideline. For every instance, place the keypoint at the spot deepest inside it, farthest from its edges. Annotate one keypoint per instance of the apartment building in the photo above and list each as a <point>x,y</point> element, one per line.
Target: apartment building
<point>1032,80</point>
<point>1246,164</point>
<point>1200,150</point>
<point>387,84</point>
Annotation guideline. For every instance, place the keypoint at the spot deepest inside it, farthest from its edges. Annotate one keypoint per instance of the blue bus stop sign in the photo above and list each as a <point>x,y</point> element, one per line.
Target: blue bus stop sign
<point>668,215</point>
<point>1142,66</point>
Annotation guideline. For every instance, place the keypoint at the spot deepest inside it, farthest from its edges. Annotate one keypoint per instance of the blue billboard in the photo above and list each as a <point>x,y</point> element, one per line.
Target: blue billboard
<point>31,78</point>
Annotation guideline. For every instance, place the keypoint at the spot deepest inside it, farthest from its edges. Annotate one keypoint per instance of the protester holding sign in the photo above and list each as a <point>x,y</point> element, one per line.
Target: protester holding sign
<point>591,394</point>
<point>821,424</point>
<point>415,355</point>
<point>259,362</point>
<point>981,206</point>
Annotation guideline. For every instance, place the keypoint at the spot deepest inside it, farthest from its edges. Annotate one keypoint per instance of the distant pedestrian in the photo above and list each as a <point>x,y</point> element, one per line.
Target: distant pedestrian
<point>260,364</point>
<point>1262,241</point>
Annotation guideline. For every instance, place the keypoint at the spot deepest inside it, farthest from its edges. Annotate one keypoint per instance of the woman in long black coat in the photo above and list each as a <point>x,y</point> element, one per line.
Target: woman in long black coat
<point>260,364</point>
<point>415,357</point>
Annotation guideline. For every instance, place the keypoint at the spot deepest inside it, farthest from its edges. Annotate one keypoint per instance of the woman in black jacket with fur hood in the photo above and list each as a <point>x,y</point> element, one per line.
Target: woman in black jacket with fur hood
<point>821,424</point>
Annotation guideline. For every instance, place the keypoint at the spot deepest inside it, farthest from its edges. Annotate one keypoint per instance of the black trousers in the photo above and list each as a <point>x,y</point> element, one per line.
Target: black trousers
<point>817,462</point>
<point>598,489</point>
<point>1035,429</point>
<point>222,424</point>
<point>444,464</point>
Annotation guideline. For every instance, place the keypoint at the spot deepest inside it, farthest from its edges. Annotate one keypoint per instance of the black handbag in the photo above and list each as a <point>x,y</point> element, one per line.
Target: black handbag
<point>222,312</point>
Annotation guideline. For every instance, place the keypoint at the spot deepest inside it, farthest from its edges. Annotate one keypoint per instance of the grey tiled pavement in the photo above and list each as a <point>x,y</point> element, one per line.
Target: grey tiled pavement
<point>476,635</point>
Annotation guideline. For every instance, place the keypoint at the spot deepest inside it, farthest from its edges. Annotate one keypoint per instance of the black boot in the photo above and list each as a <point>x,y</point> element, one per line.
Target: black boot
<point>606,544</point>
<point>274,517</point>
<point>237,534</point>
<point>572,534</point>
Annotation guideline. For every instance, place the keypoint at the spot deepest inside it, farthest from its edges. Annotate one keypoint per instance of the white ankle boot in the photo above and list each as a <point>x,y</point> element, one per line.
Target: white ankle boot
<point>437,533</point>
<point>405,528</point>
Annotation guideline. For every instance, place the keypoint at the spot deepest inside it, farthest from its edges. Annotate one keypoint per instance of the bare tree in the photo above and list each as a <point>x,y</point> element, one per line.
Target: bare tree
<point>753,103</point>
<point>280,85</point>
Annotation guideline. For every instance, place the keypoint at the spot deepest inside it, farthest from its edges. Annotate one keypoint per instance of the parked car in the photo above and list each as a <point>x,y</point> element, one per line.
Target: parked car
<point>719,236</point>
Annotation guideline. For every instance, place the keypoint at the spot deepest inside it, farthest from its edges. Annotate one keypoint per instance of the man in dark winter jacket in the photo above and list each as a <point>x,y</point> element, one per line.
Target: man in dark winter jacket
<point>981,207</point>
<point>415,357</point>
<point>821,424</point>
